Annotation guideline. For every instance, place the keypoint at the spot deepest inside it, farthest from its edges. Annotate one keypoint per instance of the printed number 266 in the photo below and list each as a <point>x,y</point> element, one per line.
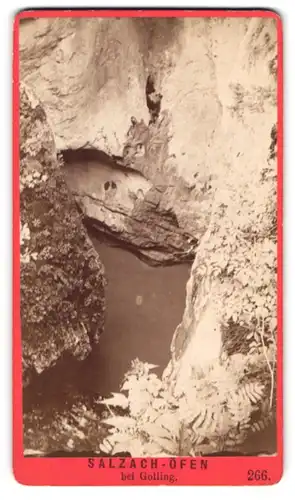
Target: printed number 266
<point>257,475</point>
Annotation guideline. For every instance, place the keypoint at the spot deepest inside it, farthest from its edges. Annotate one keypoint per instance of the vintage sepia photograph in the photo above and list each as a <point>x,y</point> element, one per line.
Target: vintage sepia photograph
<point>148,235</point>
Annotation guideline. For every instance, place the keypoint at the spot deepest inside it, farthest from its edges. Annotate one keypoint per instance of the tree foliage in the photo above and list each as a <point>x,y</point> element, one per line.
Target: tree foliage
<point>217,411</point>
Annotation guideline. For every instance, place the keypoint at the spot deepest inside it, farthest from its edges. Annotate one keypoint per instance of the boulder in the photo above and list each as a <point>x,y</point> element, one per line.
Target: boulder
<point>75,431</point>
<point>62,278</point>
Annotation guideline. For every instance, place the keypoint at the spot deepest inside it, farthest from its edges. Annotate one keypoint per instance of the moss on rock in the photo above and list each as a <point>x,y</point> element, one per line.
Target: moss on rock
<point>62,280</point>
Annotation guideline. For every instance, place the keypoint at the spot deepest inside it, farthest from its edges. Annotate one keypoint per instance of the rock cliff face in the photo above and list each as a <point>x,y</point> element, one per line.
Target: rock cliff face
<point>62,282</point>
<point>91,76</point>
<point>199,183</point>
<point>233,280</point>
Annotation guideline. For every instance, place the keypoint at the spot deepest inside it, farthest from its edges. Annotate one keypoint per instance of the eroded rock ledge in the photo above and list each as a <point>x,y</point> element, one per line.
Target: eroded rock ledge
<point>122,203</point>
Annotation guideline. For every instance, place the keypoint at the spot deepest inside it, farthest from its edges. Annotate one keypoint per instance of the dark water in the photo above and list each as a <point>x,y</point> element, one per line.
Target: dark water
<point>144,306</point>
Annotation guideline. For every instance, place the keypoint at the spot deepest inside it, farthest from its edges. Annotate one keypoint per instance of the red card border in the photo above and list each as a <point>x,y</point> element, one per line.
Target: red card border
<point>75,471</point>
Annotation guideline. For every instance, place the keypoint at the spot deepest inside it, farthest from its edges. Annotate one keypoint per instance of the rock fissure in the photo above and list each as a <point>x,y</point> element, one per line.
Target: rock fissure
<point>192,175</point>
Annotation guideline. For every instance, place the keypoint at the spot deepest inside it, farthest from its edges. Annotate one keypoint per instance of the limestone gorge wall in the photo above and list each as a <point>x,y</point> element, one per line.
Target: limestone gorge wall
<point>198,184</point>
<point>243,214</point>
<point>62,281</point>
